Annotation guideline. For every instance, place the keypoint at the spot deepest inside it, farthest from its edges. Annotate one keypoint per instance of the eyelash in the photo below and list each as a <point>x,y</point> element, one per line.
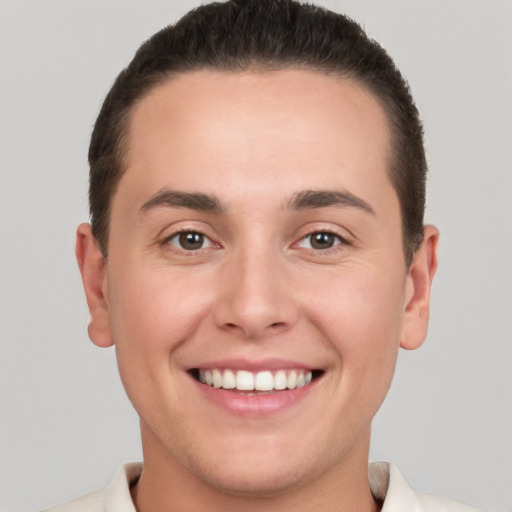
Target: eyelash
<point>339,241</point>
<point>167,242</point>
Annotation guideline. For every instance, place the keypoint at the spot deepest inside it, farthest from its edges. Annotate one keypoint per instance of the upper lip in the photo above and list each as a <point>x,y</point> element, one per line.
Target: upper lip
<point>254,365</point>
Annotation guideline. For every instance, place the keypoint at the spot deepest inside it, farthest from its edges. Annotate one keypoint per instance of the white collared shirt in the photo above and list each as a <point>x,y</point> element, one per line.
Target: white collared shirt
<point>386,482</point>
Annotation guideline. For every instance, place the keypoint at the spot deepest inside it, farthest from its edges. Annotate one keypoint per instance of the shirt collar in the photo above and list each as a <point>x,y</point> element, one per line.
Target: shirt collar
<point>386,483</point>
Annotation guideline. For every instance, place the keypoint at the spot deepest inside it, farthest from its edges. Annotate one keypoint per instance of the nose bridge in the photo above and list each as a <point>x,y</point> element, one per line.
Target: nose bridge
<point>256,300</point>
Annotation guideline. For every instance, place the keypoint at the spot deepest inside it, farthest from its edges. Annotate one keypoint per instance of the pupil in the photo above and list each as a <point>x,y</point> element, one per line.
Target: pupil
<point>191,240</point>
<point>322,240</point>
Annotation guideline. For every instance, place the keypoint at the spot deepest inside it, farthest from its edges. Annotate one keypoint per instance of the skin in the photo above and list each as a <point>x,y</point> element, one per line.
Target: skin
<point>257,288</point>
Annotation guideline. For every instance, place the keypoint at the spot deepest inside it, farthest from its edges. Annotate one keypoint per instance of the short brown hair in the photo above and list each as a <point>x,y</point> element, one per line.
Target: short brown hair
<point>262,34</point>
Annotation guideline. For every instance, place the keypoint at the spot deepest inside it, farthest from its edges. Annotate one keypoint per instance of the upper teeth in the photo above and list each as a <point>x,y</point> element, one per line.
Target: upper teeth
<point>244,380</point>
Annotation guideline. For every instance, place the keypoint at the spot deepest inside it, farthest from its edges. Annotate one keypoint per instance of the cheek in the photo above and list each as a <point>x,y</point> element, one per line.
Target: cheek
<point>152,315</point>
<point>360,315</point>
<point>155,311</point>
<point>360,302</point>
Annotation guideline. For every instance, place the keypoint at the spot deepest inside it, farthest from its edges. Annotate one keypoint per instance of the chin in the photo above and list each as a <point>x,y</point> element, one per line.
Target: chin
<point>263,481</point>
<point>267,468</point>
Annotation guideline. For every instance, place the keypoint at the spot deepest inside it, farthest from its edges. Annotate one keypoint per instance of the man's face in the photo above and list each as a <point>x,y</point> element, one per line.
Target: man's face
<point>256,235</point>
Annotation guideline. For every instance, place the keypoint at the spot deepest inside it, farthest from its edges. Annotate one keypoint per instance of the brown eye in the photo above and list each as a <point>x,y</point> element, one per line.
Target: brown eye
<point>320,240</point>
<point>190,241</point>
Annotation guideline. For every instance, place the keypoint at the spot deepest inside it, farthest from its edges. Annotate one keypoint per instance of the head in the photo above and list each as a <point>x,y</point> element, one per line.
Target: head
<point>262,35</point>
<point>257,188</point>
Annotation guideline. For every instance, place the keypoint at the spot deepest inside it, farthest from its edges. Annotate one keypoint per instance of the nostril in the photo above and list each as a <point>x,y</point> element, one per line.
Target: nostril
<point>233,328</point>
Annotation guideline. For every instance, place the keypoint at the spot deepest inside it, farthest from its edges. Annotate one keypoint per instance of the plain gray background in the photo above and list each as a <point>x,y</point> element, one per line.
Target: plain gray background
<point>65,422</point>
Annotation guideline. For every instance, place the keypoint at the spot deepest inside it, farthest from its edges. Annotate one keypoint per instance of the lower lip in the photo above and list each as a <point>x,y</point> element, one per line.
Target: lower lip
<point>255,406</point>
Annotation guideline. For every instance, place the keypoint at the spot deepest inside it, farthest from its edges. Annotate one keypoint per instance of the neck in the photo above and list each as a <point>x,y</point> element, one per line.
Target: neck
<point>166,485</point>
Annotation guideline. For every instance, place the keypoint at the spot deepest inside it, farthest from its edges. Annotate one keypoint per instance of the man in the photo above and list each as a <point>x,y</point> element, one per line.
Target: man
<point>257,255</point>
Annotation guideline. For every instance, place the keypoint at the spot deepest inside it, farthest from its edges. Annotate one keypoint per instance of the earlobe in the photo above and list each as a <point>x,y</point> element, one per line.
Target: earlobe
<point>94,278</point>
<point>419,281</point>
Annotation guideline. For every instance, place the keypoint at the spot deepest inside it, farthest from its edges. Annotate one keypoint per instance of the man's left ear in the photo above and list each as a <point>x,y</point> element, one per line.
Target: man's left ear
<point>417,294</point>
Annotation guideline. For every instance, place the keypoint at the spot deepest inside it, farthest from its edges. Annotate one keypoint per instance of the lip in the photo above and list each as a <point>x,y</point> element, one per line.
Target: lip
<point>257,405</point>
<point>254,365</point>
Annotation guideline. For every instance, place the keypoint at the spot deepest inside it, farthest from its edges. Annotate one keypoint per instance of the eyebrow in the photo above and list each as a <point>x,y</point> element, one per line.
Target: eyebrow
<point>178,199</point>
<point>309,199</point>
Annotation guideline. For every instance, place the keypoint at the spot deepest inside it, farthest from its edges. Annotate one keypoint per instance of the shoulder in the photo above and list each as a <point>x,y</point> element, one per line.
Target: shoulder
<point>113,498</point>
<point>92,502</point>
<point>389,485</point>
<point>429,503</point>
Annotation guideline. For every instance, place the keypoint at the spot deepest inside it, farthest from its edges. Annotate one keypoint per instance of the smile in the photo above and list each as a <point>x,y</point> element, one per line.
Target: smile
<point>256,390</point>
<point>243,380</point>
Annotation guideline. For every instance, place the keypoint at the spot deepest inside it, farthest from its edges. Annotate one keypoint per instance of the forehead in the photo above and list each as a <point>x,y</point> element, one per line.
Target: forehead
<point>315,98</point>
<point>266,125</point>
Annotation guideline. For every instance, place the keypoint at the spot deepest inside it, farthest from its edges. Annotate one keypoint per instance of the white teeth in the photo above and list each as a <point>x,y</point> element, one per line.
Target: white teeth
<point>291,381</point>
<point>217,379</point>
<point>280,380</point>
<point>264,381</point>
<point>244,380</point>
<point>229,381</point>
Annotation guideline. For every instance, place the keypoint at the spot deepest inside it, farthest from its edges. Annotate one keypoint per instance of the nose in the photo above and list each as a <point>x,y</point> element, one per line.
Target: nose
<point>255,301</point>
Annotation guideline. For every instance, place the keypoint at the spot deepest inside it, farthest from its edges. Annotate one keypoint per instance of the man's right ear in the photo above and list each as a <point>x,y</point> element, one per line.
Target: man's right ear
<point>93,268</point>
